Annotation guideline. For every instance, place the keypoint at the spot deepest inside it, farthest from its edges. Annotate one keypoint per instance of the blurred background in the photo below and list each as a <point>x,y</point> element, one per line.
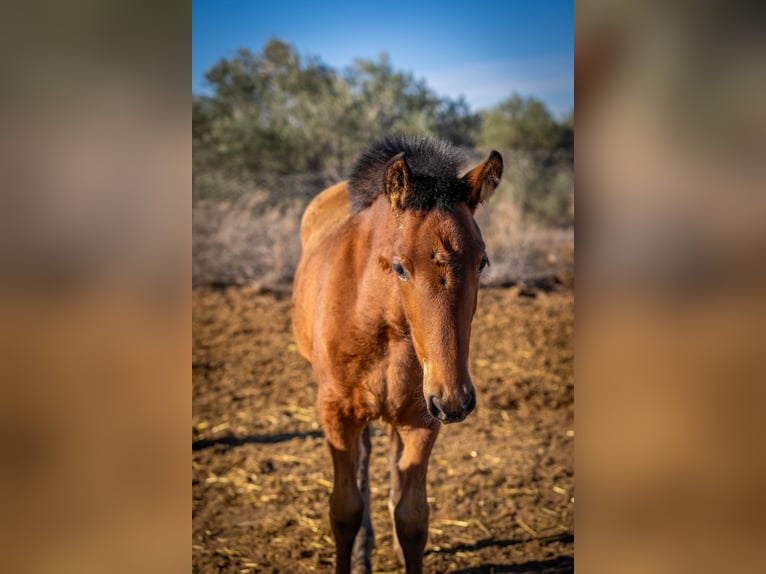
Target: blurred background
<point>670,311</point>
<point>286,97</point>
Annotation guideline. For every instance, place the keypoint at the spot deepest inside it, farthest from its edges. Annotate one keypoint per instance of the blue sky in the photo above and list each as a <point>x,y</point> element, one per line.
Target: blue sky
<point>483,50</point>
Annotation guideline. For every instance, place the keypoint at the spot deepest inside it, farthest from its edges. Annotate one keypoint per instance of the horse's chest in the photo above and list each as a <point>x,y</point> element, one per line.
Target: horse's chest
<point>376,375</point>
<point>394,379</point>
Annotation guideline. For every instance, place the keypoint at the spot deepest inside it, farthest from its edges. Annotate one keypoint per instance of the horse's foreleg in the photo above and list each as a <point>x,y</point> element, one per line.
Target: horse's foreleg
<point>395,493</point>
<point>346,502</point>
<point>408,494</point>
<point>361,560</point>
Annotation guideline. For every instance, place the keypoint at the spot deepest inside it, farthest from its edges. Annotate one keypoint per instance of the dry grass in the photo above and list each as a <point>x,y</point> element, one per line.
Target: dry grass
<point>246,241</point>
<point>248,234</point>
<point>522,252</point>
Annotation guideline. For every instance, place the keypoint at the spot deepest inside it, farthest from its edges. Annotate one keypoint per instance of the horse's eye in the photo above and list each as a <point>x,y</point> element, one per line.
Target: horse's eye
<point>400,271</point>
<point>484,263</point>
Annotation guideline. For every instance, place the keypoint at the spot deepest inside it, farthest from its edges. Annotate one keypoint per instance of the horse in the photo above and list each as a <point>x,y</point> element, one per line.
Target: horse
<point>383,299</point>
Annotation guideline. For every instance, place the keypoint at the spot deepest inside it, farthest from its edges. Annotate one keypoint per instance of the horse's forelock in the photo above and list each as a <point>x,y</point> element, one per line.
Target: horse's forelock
<point>435,164</point>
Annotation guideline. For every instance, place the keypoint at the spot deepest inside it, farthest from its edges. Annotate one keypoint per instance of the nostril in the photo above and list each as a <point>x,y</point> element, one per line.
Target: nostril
<point>441,410</point>
<point>433,407</point>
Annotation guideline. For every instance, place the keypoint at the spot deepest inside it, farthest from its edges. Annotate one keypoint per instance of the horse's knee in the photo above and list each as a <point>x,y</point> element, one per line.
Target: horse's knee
<point>411,523</point>
<point>346,513</point>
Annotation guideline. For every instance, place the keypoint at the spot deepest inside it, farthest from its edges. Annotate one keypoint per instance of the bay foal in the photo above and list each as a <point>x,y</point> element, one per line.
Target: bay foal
<point>383,299</point>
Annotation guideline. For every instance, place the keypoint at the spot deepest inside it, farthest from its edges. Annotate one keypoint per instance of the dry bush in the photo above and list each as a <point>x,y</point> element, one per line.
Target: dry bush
<point>523,252</point>
<point>246,233</point>
<point>248,240</point>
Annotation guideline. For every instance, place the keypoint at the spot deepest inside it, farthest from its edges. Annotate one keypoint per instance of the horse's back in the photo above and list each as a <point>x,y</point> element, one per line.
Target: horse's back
<point>324,214</point>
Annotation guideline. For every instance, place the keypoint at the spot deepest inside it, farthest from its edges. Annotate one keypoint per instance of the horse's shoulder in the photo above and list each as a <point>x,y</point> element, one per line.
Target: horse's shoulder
<point>325,212</point>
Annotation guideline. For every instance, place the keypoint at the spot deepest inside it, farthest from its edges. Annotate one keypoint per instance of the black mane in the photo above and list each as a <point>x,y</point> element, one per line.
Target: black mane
<point>435,164</point>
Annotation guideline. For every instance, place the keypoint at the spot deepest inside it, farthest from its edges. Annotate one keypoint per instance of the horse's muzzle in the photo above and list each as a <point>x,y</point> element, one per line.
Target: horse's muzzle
<point>441,409</point>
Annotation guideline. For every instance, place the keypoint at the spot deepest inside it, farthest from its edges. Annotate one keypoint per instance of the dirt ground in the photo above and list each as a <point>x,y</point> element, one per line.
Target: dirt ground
<point>501,483</point>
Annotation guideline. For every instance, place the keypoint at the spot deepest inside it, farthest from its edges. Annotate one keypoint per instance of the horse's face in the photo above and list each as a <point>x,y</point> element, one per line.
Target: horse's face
<point>436,261</point>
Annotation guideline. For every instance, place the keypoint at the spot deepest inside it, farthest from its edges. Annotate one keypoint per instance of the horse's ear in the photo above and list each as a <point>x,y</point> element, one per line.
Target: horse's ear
<point>483,179</point>
<point>397,181</point>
